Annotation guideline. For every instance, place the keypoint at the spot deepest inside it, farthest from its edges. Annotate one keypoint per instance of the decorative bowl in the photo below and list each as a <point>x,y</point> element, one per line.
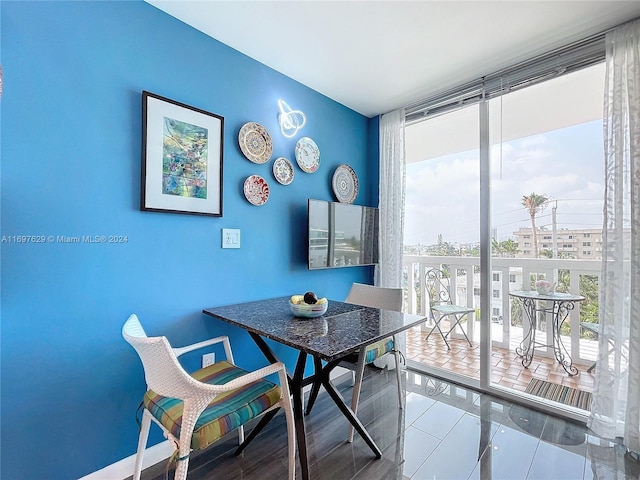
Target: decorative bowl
<point>545,287</point>
<point>305,310</point>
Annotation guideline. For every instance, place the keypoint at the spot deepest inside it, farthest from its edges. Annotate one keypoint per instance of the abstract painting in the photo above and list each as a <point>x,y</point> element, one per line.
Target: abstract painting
<point>181,158</point>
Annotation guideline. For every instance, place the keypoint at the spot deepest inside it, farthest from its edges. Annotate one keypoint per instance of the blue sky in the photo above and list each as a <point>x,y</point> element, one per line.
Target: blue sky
<point>442,194</point>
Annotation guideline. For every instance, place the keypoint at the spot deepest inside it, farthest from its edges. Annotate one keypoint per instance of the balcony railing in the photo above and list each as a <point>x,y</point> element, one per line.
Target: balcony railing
<point>508,274</point>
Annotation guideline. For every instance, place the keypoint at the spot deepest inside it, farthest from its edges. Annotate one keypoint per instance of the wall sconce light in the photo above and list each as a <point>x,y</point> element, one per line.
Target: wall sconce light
<point>290,120</point>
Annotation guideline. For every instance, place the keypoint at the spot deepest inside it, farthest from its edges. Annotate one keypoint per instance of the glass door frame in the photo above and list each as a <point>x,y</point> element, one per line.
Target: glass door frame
<point>484,383</point>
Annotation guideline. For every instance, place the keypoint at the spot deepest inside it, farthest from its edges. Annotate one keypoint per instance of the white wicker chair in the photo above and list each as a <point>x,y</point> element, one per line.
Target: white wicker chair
<point>376,297</point>
<point>176,400</point>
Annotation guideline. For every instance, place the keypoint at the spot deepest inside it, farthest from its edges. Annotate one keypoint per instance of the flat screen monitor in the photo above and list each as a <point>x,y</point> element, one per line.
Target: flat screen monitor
<point>342,235</point>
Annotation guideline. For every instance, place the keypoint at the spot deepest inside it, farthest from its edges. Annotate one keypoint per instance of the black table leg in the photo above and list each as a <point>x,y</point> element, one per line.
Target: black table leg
<point>346,411</point>
<point>528,345</point>
<point>560,313</point>
<point>315,387</point>
<point>296,383</point>
<point>321,377</point>
<point>264,348</point>
<point>298,413</point>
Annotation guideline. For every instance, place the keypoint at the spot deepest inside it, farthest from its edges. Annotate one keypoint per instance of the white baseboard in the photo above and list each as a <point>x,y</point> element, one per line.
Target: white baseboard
<point>124,468</point>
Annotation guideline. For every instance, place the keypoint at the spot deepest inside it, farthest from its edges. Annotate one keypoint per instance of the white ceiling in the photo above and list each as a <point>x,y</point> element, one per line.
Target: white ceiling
<point>376,56</point>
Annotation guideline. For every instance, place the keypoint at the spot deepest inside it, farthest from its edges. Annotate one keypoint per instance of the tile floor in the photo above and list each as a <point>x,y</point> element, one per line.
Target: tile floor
<point>506,366</point>
<point>445,432</point>
<point>494,439</point>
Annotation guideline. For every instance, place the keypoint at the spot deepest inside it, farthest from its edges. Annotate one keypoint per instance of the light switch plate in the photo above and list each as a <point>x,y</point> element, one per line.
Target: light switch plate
<point>230,238</point>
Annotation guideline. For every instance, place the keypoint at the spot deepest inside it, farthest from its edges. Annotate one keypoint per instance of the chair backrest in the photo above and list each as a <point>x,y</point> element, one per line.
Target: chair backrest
<point>375,297</point>
<point>162,370</point>
<point>438,287</point>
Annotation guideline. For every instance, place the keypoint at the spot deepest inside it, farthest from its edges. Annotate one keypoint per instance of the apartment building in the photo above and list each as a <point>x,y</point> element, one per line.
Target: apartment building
<point>581,243</point>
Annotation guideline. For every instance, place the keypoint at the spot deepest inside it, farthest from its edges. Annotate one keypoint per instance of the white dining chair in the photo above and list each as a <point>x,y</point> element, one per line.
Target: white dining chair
<point>386,299</point>
<point>195,410</point>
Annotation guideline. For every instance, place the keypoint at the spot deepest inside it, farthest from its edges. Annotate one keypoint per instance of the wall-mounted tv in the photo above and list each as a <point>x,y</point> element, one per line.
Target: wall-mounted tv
<point>342,235</point>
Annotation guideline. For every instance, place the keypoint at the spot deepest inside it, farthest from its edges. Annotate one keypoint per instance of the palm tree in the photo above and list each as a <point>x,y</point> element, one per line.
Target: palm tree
<point>546,253</point>
<point>496,248</point>
<point>506,248</point>
<point>534,203</point>
<point>509,247</point>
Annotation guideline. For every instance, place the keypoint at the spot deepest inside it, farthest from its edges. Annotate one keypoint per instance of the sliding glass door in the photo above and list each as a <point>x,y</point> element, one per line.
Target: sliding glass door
<point>543,171</point>
<point>442,239</point>
<point>547,191</point>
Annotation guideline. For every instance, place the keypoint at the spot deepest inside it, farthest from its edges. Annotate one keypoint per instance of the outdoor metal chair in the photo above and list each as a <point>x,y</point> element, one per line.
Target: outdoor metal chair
<point>594,328</point>
<point>440,304</point>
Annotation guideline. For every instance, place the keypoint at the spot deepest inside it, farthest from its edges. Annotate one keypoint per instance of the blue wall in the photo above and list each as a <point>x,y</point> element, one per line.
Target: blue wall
<point>71,148</point>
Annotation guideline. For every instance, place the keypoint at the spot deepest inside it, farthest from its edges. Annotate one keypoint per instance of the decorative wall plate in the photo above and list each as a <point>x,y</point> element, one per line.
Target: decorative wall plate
<point>283,171</point>
<point>345,184</point>
<point>307,155</point>
<point>255,142</point>
<point>256,189</point>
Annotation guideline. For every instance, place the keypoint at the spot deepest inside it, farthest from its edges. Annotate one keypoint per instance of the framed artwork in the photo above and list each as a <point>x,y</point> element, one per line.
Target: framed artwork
<point>181,158</point>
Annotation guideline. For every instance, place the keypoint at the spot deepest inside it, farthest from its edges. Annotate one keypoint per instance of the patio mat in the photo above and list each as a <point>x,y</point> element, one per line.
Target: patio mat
<point>560,393</point>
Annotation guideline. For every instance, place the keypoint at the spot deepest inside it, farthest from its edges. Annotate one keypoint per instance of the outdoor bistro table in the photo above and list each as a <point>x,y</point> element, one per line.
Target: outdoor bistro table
<point>341,331</point>
<point>558,305</point>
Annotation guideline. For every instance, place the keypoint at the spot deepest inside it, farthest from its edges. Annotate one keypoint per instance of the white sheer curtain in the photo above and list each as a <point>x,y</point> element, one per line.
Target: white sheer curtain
<point>615,412</point>
<point>391,201</point>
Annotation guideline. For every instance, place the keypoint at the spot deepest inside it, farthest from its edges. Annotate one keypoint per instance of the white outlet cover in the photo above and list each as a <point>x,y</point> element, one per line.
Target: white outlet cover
<point>208,359</point>
<point>230,238</point>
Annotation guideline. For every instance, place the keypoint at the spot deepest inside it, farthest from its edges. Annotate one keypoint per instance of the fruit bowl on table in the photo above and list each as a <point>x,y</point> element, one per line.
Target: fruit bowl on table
<point>302,309</point>
<point>308,311</point>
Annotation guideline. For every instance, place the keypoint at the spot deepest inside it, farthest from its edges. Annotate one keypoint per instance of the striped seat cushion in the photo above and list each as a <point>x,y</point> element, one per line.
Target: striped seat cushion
<point>376,350</point>
<point>225,413</point>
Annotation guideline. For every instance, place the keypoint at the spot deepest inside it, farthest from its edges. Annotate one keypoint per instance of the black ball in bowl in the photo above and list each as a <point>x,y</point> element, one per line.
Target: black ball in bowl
<point>310,298</point>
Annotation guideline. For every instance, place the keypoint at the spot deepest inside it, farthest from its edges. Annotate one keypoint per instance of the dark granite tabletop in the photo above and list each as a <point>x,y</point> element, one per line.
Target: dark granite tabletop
<point>344,328</point>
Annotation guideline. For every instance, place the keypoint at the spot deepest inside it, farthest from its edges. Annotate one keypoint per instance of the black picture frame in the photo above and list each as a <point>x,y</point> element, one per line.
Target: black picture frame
<point>182,158</point>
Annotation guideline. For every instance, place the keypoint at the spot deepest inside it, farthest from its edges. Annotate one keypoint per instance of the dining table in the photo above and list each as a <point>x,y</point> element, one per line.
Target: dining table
<point>327,339</point>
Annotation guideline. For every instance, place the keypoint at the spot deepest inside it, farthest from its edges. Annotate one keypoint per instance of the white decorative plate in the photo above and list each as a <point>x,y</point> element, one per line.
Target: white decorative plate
<point>345,184</point>
<point>307,155</point>
<point>283,171</point>
<point>256,189</point>
<point>255,142</point>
